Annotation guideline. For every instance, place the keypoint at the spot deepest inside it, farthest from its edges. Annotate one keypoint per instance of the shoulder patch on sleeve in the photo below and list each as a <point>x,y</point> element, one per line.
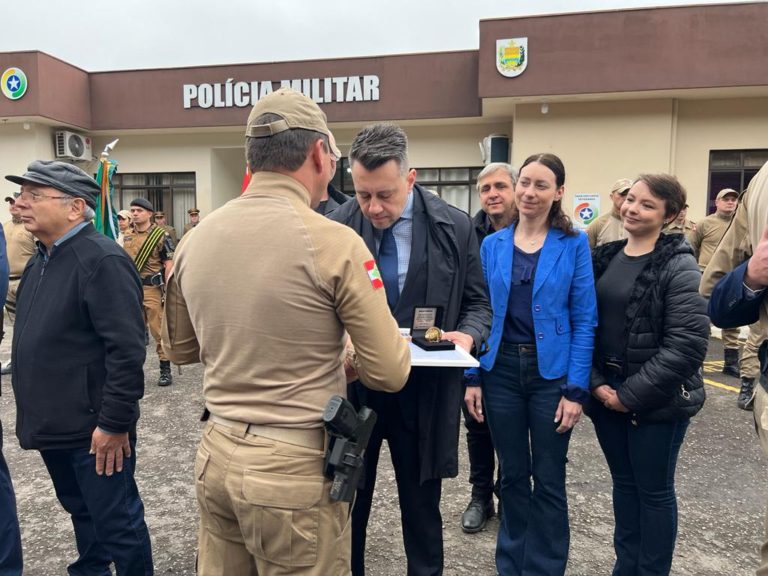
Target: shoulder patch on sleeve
<point>373,274</point>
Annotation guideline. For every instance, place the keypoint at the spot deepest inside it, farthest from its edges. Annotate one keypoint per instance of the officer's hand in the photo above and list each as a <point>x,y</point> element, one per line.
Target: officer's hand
<point>757,269</point>
<point>109,450</point>
<point>473,398</point>
<point>460,339</point>
<point>350,364</point>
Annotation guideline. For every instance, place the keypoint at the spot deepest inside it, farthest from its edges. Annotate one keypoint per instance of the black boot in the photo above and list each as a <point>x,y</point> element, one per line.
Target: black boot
<point>165,373</point>
<point>746,394</point>
<point>731,362</point>
<point>476,515</point>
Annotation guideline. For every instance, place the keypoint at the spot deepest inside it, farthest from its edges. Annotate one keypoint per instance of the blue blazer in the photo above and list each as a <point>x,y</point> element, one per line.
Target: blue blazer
<point>564,304</point>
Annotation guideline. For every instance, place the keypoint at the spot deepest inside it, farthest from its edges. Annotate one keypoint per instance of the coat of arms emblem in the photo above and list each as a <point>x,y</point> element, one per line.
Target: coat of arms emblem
<point>511,56</point>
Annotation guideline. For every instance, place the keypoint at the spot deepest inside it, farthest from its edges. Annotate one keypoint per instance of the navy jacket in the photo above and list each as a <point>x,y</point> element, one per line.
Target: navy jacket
<point>446,269</point>
<point>78,344</point>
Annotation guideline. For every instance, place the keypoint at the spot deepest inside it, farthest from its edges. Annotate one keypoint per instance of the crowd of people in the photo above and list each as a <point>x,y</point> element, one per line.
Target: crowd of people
<point>612,323</point>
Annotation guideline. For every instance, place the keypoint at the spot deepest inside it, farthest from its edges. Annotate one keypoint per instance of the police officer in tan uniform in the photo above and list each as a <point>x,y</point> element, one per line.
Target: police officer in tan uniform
<point>740,265</point>
<point>270,327</point>
<point>152,252</point>
<point>20,245</point>
<point>609,227</point>
<point>194,220</point>
<point>681,225</point>
<point>160,221</point>
<point>704,240</point>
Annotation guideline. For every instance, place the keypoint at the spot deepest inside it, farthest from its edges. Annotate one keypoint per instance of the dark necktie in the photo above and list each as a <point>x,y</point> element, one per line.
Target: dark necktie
<point>388,266</point>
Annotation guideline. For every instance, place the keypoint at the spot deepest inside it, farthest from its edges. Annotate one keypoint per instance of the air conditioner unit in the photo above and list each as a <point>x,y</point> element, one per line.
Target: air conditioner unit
<point>73,146</point>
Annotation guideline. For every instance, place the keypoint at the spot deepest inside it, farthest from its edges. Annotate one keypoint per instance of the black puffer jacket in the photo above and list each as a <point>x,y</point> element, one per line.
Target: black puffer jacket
<point>666,330</point>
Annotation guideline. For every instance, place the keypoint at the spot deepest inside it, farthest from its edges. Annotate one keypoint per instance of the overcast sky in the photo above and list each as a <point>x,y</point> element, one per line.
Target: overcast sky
<point>169,33</point>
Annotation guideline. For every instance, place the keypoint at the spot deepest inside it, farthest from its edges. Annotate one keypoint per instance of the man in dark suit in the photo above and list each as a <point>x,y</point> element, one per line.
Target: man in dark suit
<point>427,254</point>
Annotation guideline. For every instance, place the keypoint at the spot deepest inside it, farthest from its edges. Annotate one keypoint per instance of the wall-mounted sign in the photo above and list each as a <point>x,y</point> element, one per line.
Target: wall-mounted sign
<point>511,56</point>
<point>13,83</point>
<point>586,208</point>
<point>242,94</point>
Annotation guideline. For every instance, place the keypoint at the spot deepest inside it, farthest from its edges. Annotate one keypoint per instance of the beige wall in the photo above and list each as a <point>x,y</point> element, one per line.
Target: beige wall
<point>438,146</point>
<point>705,125</point>
<point>598,142</point>
<point>19,147</point>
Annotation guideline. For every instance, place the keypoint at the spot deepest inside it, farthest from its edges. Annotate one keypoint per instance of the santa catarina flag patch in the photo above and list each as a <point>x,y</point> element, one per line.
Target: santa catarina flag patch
<point>373,274</point>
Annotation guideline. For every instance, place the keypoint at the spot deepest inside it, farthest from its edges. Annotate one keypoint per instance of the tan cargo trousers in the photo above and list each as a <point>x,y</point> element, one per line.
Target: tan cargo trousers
<point>749,363</point>
<point>761,423</point>
<point>265,508</point>
<point>153,316</point>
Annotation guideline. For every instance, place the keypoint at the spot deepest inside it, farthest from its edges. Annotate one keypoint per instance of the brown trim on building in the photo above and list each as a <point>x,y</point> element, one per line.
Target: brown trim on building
<point>56,90</point>
<point>442,85</point>
<point>630,50</point>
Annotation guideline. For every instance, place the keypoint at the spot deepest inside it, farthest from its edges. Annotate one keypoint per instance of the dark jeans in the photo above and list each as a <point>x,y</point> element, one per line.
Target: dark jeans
<point>419,501</point>
<point>482,458</point>
<point>10,537</point>
<point>107,514</point>
<point>642,458</point>
<point>520,406</point>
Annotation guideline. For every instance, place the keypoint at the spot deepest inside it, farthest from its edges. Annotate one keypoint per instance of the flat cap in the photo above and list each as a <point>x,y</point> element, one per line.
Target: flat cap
<point>725,192</point>
<point>143,203</point>
<point>66,178</point>
<point>192,211</point>
<point>295,110</point>
<point>621,186</point>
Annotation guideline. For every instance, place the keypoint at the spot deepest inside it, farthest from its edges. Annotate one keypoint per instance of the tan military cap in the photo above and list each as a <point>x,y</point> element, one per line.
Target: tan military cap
<point>725,191</point>
<point>621,186</point>
<point>296,111</point>
<point>124,214</point>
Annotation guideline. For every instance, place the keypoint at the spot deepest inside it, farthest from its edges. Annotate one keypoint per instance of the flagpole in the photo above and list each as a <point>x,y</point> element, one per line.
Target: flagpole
<point>106,196</point>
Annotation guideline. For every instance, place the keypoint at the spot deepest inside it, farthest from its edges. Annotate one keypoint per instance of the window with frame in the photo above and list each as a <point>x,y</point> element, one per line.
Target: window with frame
<point>172,193</point>
<point>732,169</point>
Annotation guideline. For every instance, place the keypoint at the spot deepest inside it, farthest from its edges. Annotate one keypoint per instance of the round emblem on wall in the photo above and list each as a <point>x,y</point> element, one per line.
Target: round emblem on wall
<point>13,83</point>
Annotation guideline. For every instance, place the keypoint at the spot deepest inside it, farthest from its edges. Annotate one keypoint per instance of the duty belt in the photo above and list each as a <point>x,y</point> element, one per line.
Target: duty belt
<point>314,438</point>
<point>153,280</point>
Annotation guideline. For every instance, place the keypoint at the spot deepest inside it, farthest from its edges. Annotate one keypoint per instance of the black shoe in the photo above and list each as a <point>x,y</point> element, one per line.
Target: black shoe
<point>746,397</point>
<point>476,515</point>
<point>731,362</point>
<point>165,373</point>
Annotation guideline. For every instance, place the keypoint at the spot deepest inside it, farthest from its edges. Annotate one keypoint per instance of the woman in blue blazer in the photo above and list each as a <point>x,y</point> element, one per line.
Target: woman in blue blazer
<point>535,376</point>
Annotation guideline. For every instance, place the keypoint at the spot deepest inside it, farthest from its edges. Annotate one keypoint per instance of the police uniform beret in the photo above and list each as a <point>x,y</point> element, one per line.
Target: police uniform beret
<point>143,203</point>
<point>66,178</point>
<point>192,211</point>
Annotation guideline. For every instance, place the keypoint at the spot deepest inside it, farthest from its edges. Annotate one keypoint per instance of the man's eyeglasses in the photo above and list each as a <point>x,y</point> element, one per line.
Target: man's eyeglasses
<point>29,196</point>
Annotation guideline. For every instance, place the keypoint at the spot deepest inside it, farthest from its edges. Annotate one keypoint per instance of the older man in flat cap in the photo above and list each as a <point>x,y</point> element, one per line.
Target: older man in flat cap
<point>151,248</point>
<point>609,227</point>
<point>78,367</point>
<point>272,322</point>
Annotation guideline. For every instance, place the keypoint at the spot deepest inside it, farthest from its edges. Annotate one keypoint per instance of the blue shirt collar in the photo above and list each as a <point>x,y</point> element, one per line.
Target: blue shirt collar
<point>67,235</point>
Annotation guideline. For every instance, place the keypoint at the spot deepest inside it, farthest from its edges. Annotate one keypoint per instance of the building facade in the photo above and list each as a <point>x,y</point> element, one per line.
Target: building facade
<point>682,90</point>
